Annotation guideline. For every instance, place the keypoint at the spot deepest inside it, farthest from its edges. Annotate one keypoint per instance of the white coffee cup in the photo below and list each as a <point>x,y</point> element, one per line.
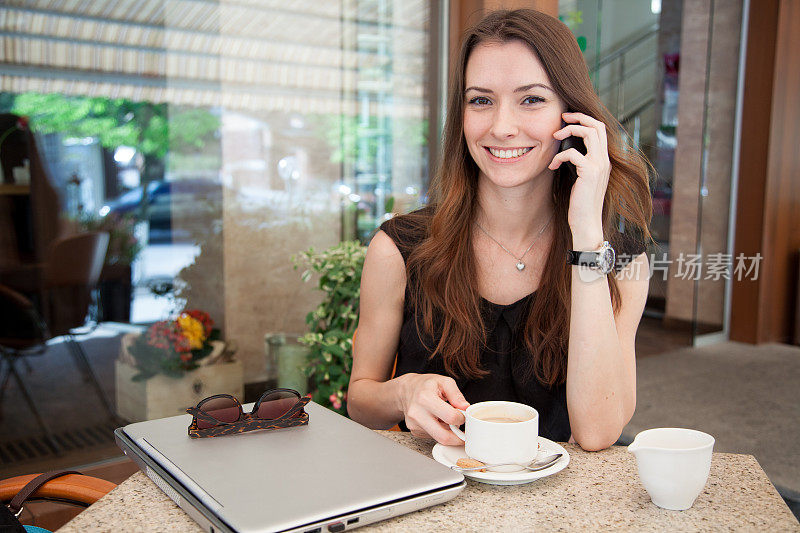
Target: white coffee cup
<point>673,464</point>
<point>500,432</point>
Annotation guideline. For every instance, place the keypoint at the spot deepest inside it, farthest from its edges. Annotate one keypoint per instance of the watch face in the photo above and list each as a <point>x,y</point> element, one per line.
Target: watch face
<point>602,260</point>
<point>606,259</point>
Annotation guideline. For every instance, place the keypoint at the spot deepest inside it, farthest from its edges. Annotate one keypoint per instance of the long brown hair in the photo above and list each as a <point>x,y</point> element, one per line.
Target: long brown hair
<point>442,270</point>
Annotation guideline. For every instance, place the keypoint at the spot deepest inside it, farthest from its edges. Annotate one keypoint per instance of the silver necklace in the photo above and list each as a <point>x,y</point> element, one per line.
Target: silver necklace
<point>520,263</point>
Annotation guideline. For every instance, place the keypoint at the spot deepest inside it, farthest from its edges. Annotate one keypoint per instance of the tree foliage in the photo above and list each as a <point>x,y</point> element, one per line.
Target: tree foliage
<point>153,129</point>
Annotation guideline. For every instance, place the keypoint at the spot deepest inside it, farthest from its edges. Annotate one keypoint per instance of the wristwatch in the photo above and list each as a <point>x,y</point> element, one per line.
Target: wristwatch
<point>601,260</point>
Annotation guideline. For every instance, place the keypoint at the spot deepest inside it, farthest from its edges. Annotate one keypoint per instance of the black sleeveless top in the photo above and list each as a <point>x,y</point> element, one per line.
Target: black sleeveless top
<point>504,357</point>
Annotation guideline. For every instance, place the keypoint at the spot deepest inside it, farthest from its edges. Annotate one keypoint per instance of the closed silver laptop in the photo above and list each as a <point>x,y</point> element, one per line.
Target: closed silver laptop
<point>331,475</point>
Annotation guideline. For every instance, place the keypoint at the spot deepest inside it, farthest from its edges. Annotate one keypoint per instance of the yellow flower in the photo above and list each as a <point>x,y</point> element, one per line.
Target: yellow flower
<point>193,330</point>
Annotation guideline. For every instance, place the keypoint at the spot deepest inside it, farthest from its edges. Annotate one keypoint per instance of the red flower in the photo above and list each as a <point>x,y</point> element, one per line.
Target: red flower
<point>174,346</point>
<point>182,345</point>
<point>203,318</point>
<point>168,336</point>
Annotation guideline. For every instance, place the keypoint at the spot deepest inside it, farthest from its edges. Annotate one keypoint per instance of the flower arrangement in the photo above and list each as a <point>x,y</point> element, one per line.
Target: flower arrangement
<point>123,246</point>
<point>333,322</point>
<point>174,346</point>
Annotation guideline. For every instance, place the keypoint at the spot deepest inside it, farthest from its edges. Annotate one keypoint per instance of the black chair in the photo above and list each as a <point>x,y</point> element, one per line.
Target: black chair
<point>70,274</point>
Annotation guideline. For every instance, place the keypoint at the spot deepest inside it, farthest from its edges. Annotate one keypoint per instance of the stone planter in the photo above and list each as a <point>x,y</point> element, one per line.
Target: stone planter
<point>161,396</point>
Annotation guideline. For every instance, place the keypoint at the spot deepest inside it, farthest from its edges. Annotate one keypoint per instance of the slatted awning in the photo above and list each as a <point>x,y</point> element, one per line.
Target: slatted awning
<point>256,55</point>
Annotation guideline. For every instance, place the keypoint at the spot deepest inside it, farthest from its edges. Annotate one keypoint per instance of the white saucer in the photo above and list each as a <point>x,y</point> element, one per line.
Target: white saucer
<point>448,455</point>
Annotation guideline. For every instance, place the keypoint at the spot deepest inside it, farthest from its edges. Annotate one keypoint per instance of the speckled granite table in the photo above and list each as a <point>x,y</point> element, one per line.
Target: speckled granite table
<point>596,492</point>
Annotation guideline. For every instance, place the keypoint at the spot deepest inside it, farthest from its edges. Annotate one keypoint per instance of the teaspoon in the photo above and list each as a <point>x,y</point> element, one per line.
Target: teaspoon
<point>533,467</point>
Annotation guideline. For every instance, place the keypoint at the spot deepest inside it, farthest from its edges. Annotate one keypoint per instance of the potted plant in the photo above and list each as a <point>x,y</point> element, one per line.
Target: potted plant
<point>115,286</point>
<point>172,365</point>
<point>333,322</point>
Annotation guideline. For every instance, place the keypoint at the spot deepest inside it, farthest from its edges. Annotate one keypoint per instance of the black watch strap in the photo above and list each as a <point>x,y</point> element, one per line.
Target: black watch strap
<point>601,260</point>
<point>589,259</point>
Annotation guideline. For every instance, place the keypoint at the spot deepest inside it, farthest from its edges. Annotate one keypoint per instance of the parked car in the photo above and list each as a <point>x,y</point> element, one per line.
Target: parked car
<point>187,201</point>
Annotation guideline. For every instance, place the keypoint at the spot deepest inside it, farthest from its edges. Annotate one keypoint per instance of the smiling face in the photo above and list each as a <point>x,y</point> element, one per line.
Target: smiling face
<point>511,112</point>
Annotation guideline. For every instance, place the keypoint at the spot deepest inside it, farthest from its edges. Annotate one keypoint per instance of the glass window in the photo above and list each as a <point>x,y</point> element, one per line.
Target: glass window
<point>215,140</point>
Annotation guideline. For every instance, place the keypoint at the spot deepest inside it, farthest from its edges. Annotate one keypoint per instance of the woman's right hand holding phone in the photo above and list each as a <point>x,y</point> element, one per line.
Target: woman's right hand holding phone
<point>430,403</point>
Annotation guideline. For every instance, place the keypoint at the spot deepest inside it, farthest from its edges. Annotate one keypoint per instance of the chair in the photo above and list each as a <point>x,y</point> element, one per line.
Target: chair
<point>70,274</point>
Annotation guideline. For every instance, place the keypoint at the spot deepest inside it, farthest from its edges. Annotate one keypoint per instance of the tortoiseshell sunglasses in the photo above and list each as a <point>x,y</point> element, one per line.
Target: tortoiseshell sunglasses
<point>222,414</point>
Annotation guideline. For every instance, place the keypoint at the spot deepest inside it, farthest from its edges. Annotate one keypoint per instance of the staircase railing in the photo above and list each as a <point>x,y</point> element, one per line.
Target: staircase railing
<point>624,47</point>
<point>629,116</point>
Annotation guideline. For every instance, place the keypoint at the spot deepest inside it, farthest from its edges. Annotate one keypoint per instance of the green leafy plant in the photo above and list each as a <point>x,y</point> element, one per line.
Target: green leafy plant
<point>123,246</point>
<point>333,322</point>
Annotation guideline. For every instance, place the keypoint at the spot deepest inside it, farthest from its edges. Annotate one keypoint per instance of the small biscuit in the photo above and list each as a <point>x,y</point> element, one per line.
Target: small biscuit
<point>466,462</point>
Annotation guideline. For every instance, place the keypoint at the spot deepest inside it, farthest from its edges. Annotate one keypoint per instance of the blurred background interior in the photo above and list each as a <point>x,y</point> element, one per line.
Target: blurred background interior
<point>213,140</point>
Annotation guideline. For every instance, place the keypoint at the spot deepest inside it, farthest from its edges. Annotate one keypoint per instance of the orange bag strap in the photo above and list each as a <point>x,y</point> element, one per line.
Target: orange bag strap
<point>64,485</point>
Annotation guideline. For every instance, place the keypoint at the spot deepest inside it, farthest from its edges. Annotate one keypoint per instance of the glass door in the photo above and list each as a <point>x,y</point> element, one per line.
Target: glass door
<point>712,266</point>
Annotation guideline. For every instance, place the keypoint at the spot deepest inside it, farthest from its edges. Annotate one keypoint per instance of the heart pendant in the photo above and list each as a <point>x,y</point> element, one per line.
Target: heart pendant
<point>520,266</point>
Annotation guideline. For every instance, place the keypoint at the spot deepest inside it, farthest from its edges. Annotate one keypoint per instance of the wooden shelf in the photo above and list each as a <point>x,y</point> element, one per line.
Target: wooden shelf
<point>7,189</point>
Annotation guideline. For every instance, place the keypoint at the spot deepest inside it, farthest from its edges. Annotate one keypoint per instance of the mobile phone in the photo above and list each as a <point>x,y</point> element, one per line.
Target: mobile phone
<point>569,171</point>
<point>573,142</point>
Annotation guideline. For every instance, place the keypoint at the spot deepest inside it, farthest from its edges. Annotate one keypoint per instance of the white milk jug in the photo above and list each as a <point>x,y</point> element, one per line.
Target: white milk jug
<point>673,464</point>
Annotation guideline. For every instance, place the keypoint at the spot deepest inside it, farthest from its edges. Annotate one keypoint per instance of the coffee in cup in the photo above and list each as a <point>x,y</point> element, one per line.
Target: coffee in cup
<point>489,417</point>
<point>500,432</point>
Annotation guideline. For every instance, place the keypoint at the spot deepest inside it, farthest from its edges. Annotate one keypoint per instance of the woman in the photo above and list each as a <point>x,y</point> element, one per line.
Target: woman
<point>473,294</point>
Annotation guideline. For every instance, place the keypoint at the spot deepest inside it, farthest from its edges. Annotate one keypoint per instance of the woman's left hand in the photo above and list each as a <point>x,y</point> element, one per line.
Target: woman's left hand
<point>585,215</point>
